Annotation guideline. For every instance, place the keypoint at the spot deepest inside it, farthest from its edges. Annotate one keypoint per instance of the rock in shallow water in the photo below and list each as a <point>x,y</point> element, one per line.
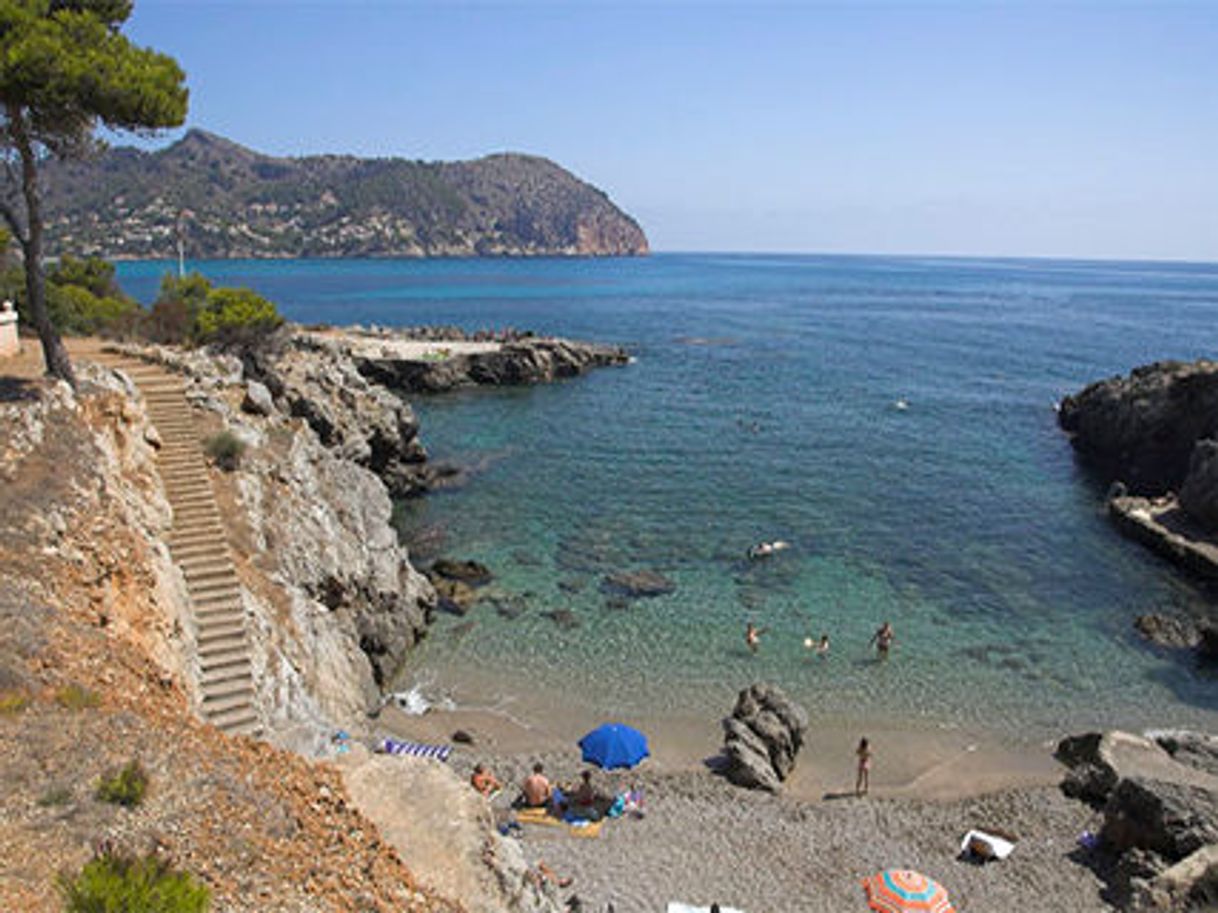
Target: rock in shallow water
<point>638,584</point>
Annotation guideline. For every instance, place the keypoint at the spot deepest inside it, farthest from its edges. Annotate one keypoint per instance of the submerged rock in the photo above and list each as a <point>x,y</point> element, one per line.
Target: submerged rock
<point>638,584</point>
<point>1168,630</point>
<point>472,572</point>
<point>564,618</point>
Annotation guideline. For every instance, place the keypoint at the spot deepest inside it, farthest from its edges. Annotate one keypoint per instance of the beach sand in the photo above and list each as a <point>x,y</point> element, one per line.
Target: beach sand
<point>702,839</point>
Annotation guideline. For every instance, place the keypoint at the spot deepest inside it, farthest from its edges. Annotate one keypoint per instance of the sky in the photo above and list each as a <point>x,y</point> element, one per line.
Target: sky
<point>1084,129</point>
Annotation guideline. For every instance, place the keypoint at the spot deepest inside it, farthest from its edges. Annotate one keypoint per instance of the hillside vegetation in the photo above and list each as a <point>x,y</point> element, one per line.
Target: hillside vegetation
<point>234,202</point>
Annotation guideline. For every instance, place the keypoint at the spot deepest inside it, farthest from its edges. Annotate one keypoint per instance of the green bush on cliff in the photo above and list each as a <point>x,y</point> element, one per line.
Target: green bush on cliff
<point>174,315</point>
<point>225,449</point>
<point>236,316</point>
<point>83,297</point>
<point>117,883</point>
<point>125,788</point>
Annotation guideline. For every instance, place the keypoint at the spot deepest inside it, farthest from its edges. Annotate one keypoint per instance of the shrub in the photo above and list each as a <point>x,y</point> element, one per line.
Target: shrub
<point>55,796</point>
<point>76,697</point>
<point>236,316</point>
<point>175,313</point>
<point>12,702</point>
<point>125,788</point>
<point>225,448</point>
<point>118,883</point>
<point>77,311</point>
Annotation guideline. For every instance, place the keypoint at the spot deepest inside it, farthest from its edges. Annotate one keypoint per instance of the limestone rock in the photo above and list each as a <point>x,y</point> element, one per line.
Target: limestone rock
<point>1191,884</point>
<point>471,572</point>
<point>1171,819</point>
<point>1196,749</point>
<point>1142,428</point>
<point>762,737</point>
<point>258,399</point>
<point>1167,630</point>
<point>1199,493</point>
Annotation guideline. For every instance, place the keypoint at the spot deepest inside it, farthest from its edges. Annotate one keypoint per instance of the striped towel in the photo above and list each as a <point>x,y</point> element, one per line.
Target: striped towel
<point>418,749</point>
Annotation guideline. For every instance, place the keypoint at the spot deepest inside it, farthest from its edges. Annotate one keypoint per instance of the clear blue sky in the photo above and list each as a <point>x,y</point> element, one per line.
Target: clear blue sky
<point>1019,128</point>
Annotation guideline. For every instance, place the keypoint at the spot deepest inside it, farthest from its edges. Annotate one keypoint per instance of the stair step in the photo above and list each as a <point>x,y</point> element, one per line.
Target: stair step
<point>209,548</point>
<point>205,561</point>
<point>239,721</point>
<point>231,614</point>
<point>219,662</point>
<point>234,672</point>
<point>210,586</point>
<point>233,644</point>
<point>221,632</point>
<point>205,575</point>
<point>213,599</point>
<point>198,536</point>
<point>227,705</point>
<point>217,692</point>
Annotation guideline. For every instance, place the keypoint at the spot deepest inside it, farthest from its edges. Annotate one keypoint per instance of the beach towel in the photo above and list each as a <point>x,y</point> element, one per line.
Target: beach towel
<point>986,846</point>
<point>674,907</point>
<point>418,749</point>
<point>579,827</point>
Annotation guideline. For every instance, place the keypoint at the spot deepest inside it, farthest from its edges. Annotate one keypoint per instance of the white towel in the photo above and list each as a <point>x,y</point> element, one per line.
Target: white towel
<point>999,848</point>
<point>675,907</point>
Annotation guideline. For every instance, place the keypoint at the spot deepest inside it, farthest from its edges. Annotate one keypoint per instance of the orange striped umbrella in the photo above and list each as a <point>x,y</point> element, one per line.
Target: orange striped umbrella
<point>901,891</point>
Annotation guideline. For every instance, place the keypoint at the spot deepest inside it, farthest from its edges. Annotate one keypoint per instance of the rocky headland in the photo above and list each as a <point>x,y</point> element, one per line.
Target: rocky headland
<point>1154,437</point>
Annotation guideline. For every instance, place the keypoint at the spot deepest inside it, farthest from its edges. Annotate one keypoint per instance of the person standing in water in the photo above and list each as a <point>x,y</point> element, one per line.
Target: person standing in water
<point>862,780</point>
<point>752,636</point>
<point>883,638</point>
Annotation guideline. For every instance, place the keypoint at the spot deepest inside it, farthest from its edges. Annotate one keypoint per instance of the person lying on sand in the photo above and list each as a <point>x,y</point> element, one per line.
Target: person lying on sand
<point>536,789</point>
<point>484,781</point>
<point>545,873</point>
<point>585,795</point>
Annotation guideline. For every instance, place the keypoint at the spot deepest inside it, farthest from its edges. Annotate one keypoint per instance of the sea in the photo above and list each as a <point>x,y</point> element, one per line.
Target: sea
<point>892,418</point>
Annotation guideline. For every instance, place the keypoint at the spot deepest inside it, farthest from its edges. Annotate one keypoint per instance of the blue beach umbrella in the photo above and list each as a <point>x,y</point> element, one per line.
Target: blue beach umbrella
<point>614,745</point>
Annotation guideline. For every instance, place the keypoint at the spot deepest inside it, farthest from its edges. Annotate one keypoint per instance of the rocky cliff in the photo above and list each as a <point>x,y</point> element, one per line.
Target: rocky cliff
<point>94,674</point>
<point>229,201</point>
<point>1155,433</point>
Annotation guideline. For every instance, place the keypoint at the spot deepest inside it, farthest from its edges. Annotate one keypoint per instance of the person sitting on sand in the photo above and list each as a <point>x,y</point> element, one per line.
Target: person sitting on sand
<point>862,780</point>
<point>752,636</point>
<point>484,781</point>
<point>585,795</point>
<point>883,638</point>
<point>536,788</point>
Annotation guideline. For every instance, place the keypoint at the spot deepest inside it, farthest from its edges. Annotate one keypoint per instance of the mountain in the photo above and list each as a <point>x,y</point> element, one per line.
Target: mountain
<point>240,203</point>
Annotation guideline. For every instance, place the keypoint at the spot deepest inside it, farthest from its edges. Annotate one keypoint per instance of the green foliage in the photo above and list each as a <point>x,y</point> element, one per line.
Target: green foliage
<point>226,449</point>
<point>125,788</point>
<point>13,702</point>
<point>118,883</point>
<point>236,315</point>
<point>93,274</point>
<point>175,313</point>
<point>75,311</point>
<point>76,697</point>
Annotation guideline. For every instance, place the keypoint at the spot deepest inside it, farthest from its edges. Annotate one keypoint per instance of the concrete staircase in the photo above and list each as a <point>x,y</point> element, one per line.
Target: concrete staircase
<point>197,543</point>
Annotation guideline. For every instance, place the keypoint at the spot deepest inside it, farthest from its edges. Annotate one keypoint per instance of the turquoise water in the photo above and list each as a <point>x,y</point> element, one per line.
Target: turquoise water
<point>762,405</point>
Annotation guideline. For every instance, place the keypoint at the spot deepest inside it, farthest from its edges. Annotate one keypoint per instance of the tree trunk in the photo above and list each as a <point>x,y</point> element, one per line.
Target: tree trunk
<point>53,351</point>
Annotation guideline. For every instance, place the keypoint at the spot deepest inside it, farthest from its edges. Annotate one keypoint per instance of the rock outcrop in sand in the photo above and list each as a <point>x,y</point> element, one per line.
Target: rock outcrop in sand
<point>762,737</point>
<point>1159,799</point>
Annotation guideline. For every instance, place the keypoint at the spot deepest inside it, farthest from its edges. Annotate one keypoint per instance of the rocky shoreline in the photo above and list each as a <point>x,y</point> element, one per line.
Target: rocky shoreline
<point>327,440</point>
<point>1153,436</point>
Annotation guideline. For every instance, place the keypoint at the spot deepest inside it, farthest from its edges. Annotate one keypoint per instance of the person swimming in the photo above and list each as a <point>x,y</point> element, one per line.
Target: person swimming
<point>766,549</point>
<point>752,636</point>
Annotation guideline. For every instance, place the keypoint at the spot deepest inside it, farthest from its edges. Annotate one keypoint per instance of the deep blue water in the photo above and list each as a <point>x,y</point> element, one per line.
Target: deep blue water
<point>762,405</point>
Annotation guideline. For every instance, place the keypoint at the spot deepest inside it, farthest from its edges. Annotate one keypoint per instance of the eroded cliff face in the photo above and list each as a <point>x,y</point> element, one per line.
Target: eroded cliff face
<point>332,601</point>
<point>1154,431</point>
<point>95,672</point>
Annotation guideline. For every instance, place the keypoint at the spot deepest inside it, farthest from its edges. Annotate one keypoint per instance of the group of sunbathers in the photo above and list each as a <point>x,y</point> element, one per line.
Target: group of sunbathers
<point>537,792</point>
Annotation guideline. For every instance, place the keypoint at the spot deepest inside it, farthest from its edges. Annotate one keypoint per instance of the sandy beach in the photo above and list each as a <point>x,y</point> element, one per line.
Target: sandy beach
<point>702,839</point>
